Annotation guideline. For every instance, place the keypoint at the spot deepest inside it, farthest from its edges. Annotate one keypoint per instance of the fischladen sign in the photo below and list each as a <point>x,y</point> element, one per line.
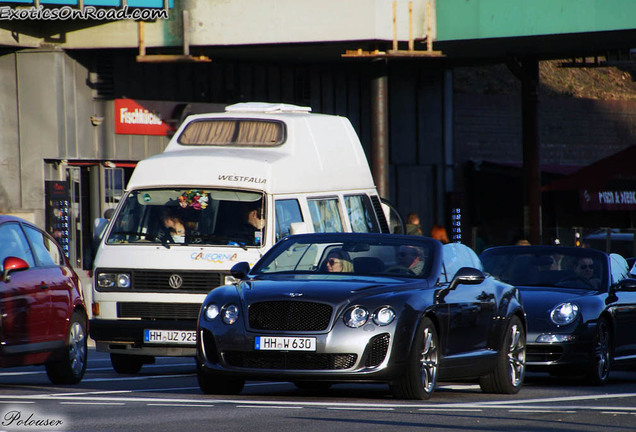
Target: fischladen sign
<point>607,200</point>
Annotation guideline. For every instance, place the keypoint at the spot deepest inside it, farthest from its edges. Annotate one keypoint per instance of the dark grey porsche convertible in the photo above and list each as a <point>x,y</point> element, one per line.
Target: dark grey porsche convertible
<point>318,309</point>
<point>580,304</point>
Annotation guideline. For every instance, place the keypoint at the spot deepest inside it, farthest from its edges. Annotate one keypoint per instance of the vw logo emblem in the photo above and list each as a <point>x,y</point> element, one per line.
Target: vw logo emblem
<point>175,281</point>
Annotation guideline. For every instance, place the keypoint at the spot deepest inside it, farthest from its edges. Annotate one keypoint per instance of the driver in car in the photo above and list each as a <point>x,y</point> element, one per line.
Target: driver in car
<point>411,258</point>
<point>584,270</point>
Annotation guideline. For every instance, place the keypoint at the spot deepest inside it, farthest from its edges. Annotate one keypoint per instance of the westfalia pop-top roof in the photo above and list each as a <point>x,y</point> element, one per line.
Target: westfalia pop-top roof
<point>318,152</point>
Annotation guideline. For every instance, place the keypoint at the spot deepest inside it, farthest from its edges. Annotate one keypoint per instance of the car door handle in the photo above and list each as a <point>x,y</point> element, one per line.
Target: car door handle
<point>44,286</point>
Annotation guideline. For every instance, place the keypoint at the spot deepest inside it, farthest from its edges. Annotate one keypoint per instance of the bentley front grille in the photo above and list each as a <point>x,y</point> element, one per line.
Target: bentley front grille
<point>288,315</point>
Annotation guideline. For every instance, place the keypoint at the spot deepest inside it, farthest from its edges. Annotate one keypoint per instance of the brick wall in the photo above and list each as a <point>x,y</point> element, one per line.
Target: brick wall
<point>572,131</point>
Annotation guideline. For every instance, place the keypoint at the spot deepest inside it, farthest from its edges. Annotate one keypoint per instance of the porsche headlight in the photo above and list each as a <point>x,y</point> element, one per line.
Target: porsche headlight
<point>230,314</point>
<point>564,313</point>
<point>384,316</point>
<point>356,316</point>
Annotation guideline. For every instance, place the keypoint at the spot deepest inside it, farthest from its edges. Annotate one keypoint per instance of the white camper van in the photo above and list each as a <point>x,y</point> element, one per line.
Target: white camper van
<point>228,186</point>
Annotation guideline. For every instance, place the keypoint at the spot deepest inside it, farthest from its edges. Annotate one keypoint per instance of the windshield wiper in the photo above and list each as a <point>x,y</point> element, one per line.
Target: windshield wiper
<point>139,235</point>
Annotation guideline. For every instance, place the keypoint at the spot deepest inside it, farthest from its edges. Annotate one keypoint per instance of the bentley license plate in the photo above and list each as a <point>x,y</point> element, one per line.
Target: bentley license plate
<point>183,337</point>
<point>277,343</point>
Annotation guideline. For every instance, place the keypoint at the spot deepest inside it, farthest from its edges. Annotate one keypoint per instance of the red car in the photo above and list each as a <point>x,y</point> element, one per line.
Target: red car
<point>42,313</point>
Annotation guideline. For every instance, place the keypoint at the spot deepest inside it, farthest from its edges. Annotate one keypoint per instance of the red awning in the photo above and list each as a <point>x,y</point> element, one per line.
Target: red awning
<point>617,171</point>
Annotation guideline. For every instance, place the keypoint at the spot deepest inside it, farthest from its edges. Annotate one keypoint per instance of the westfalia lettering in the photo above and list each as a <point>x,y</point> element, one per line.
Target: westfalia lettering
<point>139,116</point>
<point>617,197</point>
<point>234,178</point>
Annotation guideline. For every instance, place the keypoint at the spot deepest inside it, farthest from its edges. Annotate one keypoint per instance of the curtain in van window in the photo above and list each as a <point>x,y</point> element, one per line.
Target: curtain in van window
<point>208,132</point>
<point>325,215</point>
<point>258,132</point>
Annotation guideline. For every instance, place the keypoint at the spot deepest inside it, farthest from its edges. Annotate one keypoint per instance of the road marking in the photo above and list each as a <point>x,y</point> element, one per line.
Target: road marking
<point>360,409</point>
<point>270,407</point>
<point>136,378</point>
<point>176,405</point>
<point>541,411</point>
<point>92,403</point>
<point>452,409</point>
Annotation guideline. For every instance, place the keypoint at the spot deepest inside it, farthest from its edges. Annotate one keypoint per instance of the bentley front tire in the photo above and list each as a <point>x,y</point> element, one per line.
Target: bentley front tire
<point>420,378</point>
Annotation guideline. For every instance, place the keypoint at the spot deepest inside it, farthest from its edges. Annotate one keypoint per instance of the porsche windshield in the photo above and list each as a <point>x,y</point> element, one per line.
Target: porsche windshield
<point>543,266</point>
<point>340,254</point>
<point>190,216</point>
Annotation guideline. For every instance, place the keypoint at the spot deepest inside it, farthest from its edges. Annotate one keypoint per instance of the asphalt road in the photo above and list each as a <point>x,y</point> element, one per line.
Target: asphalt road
<point>165,397</point>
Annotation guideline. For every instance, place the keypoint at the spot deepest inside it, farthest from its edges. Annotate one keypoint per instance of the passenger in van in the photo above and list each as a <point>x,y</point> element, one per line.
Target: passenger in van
<point>338,261</point>
<point>175,226</point>
<point>252,228</point>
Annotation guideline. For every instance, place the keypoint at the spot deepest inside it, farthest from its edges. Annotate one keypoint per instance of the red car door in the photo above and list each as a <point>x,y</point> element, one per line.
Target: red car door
<point>24,296</point>
<point>50,257</point>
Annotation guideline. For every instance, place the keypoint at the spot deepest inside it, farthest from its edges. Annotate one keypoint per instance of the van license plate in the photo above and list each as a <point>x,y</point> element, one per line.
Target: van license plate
<point>182,337</point>
<point>268,343</point>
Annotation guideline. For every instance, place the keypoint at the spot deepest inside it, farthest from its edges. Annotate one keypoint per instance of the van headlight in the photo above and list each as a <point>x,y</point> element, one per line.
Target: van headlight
<point>113,280</point>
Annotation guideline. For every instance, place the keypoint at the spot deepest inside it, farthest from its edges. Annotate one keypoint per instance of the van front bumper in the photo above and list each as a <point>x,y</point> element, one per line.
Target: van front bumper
<point>127,337</point>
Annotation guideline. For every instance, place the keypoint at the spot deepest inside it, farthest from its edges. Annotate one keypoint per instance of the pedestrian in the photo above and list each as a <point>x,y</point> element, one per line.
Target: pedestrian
<point>413,224</point>
<point>438,232</point>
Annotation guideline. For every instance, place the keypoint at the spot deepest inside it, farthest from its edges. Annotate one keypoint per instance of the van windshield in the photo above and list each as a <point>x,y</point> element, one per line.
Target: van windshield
<point>190,217</point>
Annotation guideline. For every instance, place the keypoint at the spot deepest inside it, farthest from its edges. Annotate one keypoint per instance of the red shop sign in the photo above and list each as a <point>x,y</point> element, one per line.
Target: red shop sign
<point>135,117</point>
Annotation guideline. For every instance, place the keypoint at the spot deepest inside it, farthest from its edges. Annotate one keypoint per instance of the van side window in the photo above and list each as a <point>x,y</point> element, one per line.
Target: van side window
<point>325,215</point>
<point>361,214</point>
<point>287,212</point>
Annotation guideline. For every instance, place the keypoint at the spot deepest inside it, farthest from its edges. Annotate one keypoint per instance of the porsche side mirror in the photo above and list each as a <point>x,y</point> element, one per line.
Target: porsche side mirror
<point>240,270</point>
<point>12,264</point>
<point>628,285</point>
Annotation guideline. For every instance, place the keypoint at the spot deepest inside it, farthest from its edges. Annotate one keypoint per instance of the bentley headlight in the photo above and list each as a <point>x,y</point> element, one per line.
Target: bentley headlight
<point>230,314</point>
<point>356,316</point>
<point>564,313</point>
<point>211,312</point>
<point>384,316</point>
